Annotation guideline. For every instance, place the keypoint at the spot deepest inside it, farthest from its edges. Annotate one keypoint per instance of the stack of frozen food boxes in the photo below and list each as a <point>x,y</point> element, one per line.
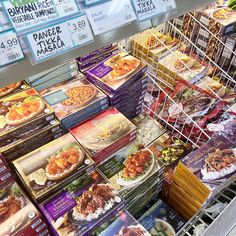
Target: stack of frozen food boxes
<point>26,122</point>
<point>122,77</point>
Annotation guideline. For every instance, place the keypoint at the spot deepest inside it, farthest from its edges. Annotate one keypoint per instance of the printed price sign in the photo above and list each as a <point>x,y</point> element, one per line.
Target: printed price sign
<point>10,50</point>
<point>38,12</point>
<point>59,38</point>
<point>169,5</point>
<point>146,9</point>
<point>110,15</point>
<point>4,22</point>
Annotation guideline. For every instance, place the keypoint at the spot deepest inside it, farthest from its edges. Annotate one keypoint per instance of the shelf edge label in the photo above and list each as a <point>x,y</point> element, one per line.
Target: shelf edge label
<point>10,49</point>
<point>39,12</point>
<point>59,38</point>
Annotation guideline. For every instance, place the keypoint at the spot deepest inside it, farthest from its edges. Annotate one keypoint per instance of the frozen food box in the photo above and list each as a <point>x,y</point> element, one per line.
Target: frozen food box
<point>117,72</point>
<point>16,210</point>
<point>13,88</point>
<point>22,112</point>
<point>148,129</point>
<point>74,101</point>
<point>161,219</point>
<point>214,163</point>
<point>169,149</point>
<point>131,169</point>
<point>50,167</point>
<point>220,20</point>
<point>84,203</point>
<point>123,224</point>
<point>180,66</point>
<point>104,133</point>
<point>153,43</point>
<point>30,142</point>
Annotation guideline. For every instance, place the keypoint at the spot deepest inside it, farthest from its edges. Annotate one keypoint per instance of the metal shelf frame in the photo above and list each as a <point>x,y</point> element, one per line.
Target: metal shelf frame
<point>24,68</point>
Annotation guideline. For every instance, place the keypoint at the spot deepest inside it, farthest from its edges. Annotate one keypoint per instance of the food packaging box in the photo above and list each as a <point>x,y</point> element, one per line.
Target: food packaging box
<point>53,73</point>
<point>169,149</point>
<point>75,101</point>
<point>13,88</point>
<point>124,223</point>
<point>180,66</point>
<point>83,66</point>
<point>17,212</point>
<point>95,53</point>
<point>160,218</point>
<point>148,129</point>
<point>68,211</point>
<point>213,163</point>
<point>24,145</point>
<point>153,43</point>
<point>52,166</point>
<point>22,112</point>
<point>131,170</point>
<point>219,20</point>
<point>104,133</point>
<point>117,72</point>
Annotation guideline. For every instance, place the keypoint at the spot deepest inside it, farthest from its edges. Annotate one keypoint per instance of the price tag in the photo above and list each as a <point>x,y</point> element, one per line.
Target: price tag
<point>147,9</point>
<point>169,5</point>
<point>4,22</point>
<point>59,38</point>
<point>10,50</point>
<point>110,15</point>
<point>38,12</point>
<point>91,2</point>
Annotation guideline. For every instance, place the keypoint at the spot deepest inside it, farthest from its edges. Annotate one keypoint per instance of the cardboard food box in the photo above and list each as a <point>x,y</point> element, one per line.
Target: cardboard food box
<point>213,163</point>
<point>26,144</point>
<point>220,20</point>
<point>16,210</point>
<point>131,170</point>
<point>68,211</point>
<point>95,53</point>
<point>148,129</point>
<point>52,166</point>
<point>160,218</point>
<point>22,112</point>
<point>153,43</point>
<point>117,72</point>
<point>180,66</point>
<point>13,88</point>
<point>75,101</point>
<point>169,149</point>
<point>104,133</point>
<point>123,223</point>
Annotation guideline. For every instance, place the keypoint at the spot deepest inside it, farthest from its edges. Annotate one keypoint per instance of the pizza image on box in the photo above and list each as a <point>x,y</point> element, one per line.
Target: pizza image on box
<point>9,89</point>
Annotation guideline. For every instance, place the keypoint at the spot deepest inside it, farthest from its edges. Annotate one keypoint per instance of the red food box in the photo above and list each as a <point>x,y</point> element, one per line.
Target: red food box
<point>104,134</point>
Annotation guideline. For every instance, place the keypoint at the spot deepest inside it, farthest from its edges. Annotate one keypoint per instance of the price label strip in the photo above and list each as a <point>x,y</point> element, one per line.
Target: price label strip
<point>10,49</point>
<point>147,9</point>
<point>59,38</point>
<point>110,15</point>
<point>38,12</point>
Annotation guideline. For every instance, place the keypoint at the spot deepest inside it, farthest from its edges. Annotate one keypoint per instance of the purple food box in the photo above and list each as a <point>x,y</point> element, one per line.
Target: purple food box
<point>214,163</point>
<point>122,224</point>
<point>99,51</point>
<point>82,205</point>
<point>117,72</point>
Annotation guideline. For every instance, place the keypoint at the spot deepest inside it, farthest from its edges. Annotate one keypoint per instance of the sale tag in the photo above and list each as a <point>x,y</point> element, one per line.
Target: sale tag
<point>58,38</point>
<point>147,9</point>
<point>10,50</point>
<point>110,15</point>
<point>4,22</point>
<point>38,12</point>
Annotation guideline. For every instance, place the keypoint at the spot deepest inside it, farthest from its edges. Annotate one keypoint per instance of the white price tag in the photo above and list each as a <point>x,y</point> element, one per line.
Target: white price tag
<point>110,15</point>
<point>10,50</point>
<point>146,9</point>
<point>38,12</point>
<point>169,5</point>
<point>59,38</point>
<point>4,22</point>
